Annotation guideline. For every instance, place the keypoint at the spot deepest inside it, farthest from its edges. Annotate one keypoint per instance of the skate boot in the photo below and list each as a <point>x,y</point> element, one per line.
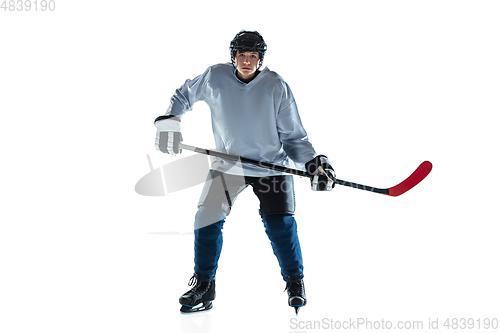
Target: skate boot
<point>296,294</point>
<point>200,293</point>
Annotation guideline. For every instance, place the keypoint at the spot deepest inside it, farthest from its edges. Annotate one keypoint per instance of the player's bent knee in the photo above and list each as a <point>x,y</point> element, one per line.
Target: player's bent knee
<point>208,215</point>
<point>279,222</point>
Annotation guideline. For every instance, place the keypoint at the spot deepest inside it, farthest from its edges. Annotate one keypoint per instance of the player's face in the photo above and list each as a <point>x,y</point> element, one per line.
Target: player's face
<point>246,63</point>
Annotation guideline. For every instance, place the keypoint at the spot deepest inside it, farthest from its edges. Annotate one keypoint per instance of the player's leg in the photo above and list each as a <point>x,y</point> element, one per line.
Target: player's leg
<point>216,200</point>
<point>277,205</point>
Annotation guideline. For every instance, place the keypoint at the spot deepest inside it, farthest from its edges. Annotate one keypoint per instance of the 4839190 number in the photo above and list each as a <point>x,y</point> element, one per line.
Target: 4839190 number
<point>28,5</point>
<point>471,323</point>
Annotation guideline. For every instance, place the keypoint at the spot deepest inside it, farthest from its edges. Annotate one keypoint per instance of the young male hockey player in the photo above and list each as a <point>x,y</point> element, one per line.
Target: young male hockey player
<point>254,115</point>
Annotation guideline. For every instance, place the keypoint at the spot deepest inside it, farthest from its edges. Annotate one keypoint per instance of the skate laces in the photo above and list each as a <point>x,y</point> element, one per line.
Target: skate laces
<point>197,285</point>
<point>294,287</point>
<point>193,280</point>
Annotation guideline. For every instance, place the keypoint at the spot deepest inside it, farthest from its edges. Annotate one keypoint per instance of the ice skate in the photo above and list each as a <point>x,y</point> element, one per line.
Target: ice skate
<point>199,298</point>
<point>296,294</point>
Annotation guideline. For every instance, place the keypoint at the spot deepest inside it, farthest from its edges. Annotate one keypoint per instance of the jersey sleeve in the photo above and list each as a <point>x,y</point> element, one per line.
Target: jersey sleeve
<point>189,93</point>
<point>292,134</point>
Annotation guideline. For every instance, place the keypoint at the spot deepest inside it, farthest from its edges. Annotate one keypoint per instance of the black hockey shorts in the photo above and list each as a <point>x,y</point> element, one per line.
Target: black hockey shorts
<point>275,193</point>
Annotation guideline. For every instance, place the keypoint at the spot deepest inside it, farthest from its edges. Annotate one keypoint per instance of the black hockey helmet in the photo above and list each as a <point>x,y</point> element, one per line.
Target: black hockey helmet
<point>248,41</point>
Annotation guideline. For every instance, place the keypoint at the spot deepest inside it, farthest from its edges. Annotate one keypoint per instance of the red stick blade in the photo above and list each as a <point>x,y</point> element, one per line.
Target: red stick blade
<point>416,177</point>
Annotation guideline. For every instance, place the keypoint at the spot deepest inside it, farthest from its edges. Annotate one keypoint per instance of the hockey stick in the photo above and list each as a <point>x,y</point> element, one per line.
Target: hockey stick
<point>416,177</point>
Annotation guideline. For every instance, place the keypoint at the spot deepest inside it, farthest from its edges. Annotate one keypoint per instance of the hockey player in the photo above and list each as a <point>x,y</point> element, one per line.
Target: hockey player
<point>254,115</point>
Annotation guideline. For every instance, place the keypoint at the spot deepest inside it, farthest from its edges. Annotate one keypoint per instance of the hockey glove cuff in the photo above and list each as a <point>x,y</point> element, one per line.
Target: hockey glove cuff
<point>321,173</point>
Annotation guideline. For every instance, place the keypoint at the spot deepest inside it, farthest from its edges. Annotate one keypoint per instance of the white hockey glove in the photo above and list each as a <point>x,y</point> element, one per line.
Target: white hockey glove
<point>321,173</point>
<point>168,134</point>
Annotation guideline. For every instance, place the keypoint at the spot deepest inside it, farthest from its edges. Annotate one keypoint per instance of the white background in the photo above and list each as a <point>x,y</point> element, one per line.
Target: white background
<point>381,86</point>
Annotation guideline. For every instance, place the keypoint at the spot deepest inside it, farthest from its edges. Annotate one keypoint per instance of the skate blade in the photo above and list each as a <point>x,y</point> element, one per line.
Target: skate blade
<point>186,309</point>
<point>296,308</point>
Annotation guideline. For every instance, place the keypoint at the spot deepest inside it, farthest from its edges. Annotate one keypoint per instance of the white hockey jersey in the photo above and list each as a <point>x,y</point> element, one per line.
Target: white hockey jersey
<point>257,120</point>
